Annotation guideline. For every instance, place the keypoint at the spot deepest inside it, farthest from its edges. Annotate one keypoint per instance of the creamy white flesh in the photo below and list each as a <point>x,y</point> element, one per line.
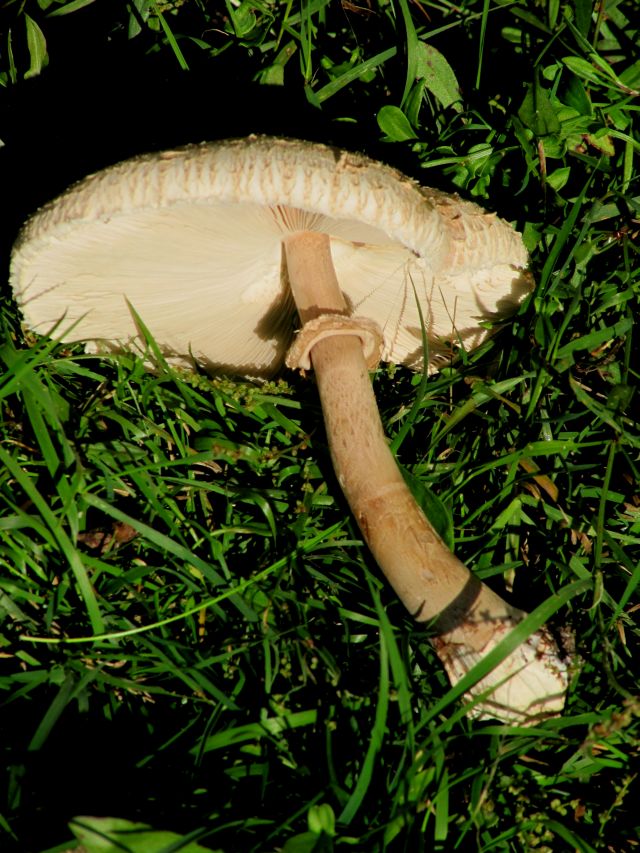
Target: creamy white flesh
<point>178,266</point>
<point>187,235</point>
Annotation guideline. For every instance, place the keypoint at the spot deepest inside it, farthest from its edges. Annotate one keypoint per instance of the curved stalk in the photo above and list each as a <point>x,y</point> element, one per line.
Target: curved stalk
<point>468,617</point>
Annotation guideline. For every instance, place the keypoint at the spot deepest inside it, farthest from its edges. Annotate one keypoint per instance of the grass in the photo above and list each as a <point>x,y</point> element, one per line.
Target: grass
<point>192,635</point>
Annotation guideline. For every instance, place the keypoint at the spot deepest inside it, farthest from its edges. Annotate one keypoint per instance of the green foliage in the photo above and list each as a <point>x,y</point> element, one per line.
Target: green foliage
<point>185,603</point>
<point>113,835</point>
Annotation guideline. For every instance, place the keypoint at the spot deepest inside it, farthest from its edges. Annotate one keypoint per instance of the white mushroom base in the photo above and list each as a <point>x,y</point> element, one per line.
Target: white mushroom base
<point>527,686</point>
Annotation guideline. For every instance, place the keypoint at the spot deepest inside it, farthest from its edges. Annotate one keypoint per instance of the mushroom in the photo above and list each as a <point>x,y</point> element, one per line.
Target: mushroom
<point>216,246</point>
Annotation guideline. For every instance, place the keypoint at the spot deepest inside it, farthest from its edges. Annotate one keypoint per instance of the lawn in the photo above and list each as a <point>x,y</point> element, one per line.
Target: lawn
<point>197,651</point>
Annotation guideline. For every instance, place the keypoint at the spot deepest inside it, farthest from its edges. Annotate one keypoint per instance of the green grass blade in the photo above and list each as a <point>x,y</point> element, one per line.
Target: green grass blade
<point>377,734</point>
<point>66,546</point>
<point>330,89</point>
<point>173,42</point>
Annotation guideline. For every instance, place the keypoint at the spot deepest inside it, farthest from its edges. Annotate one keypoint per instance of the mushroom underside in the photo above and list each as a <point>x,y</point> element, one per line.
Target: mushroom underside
<point>179,266</point>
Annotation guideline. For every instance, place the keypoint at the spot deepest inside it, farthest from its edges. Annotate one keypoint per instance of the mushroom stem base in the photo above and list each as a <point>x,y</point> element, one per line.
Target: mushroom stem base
<point>431,582</point>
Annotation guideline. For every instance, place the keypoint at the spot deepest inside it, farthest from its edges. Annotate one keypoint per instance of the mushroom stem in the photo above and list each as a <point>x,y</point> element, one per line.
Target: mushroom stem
<point>469,618</point>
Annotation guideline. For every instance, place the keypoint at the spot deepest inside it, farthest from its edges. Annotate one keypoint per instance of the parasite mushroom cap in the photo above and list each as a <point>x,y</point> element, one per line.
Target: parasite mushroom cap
<point>192,240</point>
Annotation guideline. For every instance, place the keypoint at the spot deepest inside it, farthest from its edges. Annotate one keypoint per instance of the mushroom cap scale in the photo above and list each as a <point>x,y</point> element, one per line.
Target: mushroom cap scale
<point>192,239</point>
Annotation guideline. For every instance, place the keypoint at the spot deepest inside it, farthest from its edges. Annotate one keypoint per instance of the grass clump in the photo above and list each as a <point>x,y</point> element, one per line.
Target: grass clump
<point>195,646</point>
